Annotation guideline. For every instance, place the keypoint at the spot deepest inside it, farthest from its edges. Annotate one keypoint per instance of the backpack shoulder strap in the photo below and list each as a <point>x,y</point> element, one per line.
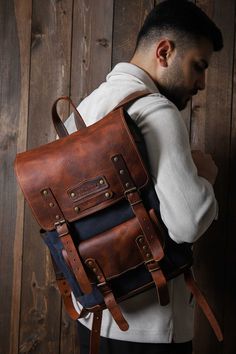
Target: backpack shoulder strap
<point>79,122</point>
<point>131,98</point>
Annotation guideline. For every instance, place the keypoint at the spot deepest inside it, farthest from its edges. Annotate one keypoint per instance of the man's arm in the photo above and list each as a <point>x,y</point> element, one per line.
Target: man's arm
<point>206,166</point>
<point>187,201</point>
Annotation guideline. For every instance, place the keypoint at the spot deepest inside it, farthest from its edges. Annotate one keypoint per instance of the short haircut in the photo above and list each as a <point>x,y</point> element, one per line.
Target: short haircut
<point>184,20</point>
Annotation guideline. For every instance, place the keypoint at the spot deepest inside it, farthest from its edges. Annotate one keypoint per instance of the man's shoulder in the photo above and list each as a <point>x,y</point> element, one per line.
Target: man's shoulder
<point>155,103</point>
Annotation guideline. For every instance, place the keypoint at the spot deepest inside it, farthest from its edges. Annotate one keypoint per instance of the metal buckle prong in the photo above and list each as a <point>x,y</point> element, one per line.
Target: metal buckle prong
<point>60,222</point>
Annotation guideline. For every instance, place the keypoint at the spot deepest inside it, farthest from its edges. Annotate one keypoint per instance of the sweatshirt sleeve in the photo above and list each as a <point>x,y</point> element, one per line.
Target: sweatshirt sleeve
<point>187,201</point>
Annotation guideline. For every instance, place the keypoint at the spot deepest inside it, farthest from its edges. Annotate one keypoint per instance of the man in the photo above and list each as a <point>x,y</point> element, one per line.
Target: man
<point>172,54</point>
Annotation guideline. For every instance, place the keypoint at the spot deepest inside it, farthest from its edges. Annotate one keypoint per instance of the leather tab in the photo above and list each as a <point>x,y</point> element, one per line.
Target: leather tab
<point>74,258</point>
<point>155,271</point>
<point>95,332</point>
<point>66,291</point>
<point>109,298</point>
<point>201,301</point>
<point>67,299</point>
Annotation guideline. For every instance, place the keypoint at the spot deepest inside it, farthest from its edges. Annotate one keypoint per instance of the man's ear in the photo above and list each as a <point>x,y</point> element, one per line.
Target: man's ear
<point>164,50</point>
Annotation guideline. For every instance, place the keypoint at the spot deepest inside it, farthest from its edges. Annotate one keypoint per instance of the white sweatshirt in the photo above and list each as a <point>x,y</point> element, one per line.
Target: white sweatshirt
<point>187,201</point>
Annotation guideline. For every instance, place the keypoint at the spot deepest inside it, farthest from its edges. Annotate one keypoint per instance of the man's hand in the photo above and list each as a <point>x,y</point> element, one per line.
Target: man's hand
<point>205,165</point>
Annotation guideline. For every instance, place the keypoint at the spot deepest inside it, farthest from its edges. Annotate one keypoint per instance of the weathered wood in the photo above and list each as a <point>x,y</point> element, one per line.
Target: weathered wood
<point>91,61</point>
<point>23,12</point>
<point>229,303</point>
<point>50,76</point>
<point>66,63</point>
<point>69,341</point>
<point>92,45</point>
<point>211,132</point>
<point>128,19</point>
<point>13,111</point>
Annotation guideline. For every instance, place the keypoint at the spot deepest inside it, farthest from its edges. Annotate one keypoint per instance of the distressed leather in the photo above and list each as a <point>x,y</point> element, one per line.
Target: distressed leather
<point>81,161</point>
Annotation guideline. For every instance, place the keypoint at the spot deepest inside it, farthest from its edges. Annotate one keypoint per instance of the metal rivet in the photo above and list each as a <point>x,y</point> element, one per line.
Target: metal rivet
<point>57,217</point>
<point>144,247</point>
<point>148,255</point>
<point>94,270</point>
<point>107,194</point>
<point>115,159</point>
<point>101,181</point>
<point>45,192</point>
<point>76,209</point>
<point>140,240</point>
<point>51,205</point>
<point>99,277</point>
<point>127,184</point>
<point>122,172</point>
<point>90,263</point>
<point>72,194</point>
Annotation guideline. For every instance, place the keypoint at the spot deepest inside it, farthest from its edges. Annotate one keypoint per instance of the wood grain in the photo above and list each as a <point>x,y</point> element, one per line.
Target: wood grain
<point>49,78</point>
<point>23,12</point>
<point>53,48</point>
<point>12,120</point>
<point>92,46</point>
<point>229,304</point>
<point>128,19</point>
<point>211,130</point>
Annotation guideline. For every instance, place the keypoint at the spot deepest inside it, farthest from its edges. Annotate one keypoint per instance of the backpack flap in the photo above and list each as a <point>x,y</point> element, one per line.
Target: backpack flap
<point>75,176</point>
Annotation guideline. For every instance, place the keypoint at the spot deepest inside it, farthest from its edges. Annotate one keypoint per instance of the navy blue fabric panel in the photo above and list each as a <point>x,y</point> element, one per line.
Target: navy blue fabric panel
<point>131,280</point>
<point>101,221</point>
<point>55,246</point>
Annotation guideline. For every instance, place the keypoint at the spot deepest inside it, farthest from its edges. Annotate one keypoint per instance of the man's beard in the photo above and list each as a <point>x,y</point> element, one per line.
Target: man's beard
<point>176,95</point>
<point>172,86</point>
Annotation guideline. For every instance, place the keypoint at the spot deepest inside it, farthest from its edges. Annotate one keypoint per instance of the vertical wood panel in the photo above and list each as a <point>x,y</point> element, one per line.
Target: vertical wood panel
<point>74,43</point>
<point>128,18</point>
<point>91,61</point>
<point>12,108</point>
<point>211,126</point>
<point>23,12</point>
<point>92,45</point>
<point>230,259</point>
<point>50,75</point>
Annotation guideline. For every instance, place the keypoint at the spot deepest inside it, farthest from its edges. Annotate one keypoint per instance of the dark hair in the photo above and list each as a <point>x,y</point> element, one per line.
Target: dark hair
<point>181,17</point>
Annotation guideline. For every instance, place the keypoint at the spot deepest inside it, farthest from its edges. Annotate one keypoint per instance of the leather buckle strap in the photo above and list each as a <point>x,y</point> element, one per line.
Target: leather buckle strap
<point>134,199</point>
<point>95,332</point>
<point>108,295</point>
<point>202,302</point>
<point>66,291</point>
<point>73,257</point>
<point>155,270</point>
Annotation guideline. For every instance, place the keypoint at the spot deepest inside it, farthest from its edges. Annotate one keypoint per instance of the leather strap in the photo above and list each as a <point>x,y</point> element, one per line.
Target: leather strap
<point>201,301</point>
<point>59,125</point>
<point>130,98</point>
<point>95,332</point>
<point>79,122</point>
<point>155,271</point>
<point>66,291</point>
<point>73,257</point>
<point>58,220</point>
<point>151,249</point>
<point>109,298</point>
<point>138,208</point>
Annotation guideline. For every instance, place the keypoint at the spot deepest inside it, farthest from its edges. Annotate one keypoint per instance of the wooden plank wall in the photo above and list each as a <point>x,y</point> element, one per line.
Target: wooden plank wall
<point>53,48</point>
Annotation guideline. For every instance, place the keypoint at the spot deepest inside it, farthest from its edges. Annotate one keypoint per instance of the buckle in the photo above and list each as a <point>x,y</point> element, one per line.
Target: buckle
<point>152,261</point>
<point>60,222</point>
<point>101,284</point>
<point>127,191</point>
<point>131,190</point>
